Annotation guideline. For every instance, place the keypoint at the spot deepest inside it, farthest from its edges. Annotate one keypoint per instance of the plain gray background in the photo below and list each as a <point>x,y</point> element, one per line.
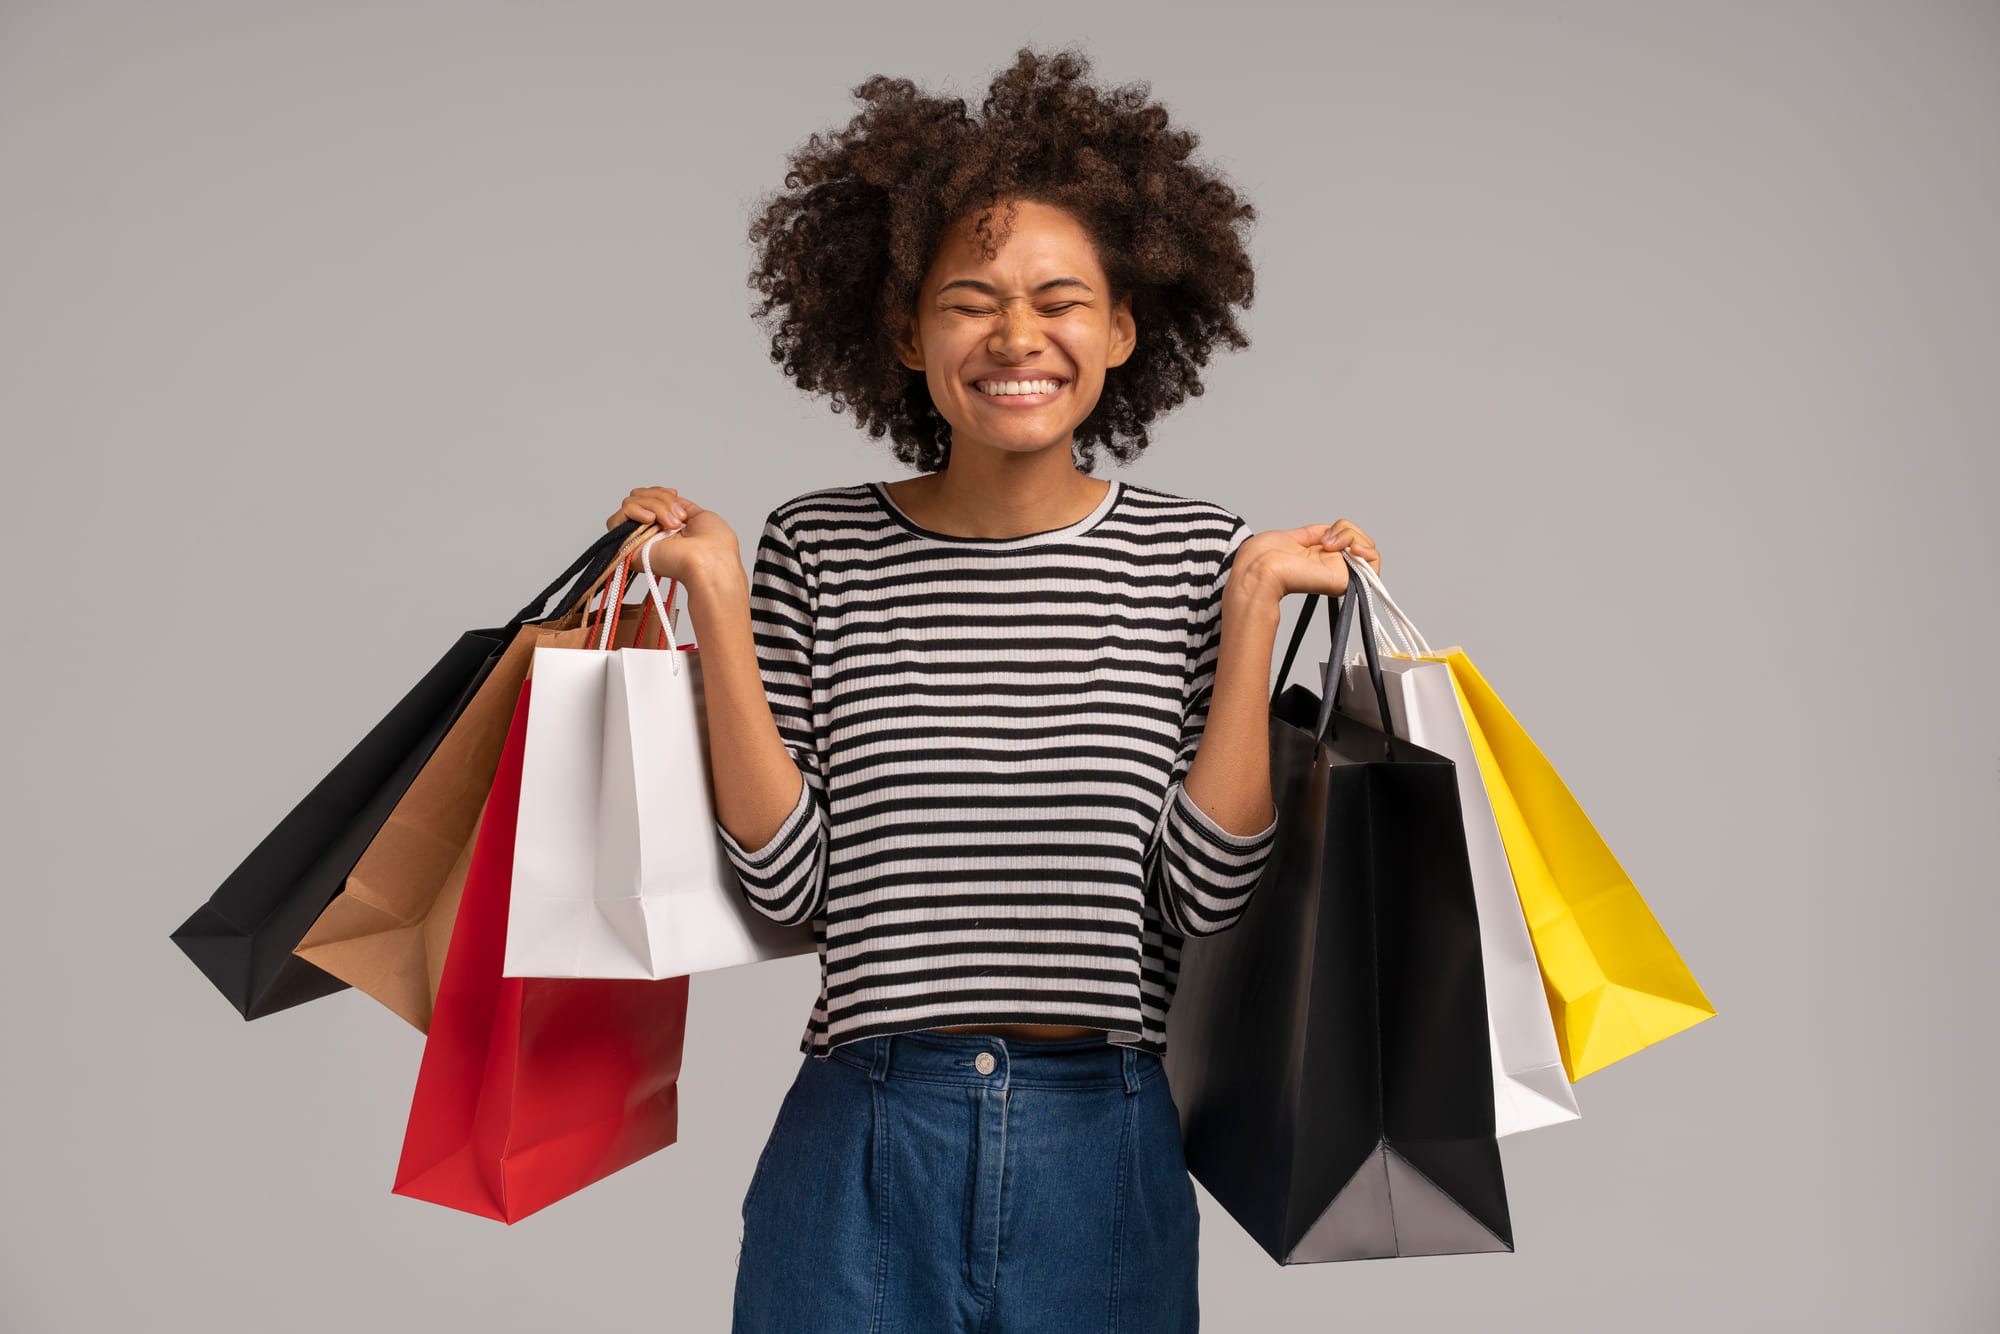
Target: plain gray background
<point>1657,345</point>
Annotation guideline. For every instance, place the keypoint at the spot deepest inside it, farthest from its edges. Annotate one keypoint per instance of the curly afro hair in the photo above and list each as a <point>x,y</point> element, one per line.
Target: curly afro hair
<point>843,249</point>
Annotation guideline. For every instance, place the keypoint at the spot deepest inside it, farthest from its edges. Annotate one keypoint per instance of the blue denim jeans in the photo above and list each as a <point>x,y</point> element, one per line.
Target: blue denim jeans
<point>932,1182</point>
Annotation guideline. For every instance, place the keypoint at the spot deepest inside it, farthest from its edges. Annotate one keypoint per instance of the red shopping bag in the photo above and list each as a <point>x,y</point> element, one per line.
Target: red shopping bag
<point>531,1088</point>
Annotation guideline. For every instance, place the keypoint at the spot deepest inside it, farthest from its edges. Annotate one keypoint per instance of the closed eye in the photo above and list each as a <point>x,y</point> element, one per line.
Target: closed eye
<point>1050,310</point>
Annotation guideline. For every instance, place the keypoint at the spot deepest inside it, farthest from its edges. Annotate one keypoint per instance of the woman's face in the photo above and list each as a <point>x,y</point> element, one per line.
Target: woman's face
<point>1039,310</point>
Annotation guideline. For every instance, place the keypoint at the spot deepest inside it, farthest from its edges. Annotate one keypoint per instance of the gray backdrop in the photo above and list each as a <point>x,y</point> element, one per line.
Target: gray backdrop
<point>1655,343</point>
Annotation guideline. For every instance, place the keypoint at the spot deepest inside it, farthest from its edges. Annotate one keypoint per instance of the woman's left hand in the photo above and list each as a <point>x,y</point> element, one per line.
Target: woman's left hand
<point>1306,560</point>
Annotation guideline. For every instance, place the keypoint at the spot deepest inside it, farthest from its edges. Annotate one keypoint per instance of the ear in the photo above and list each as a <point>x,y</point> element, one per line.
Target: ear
<point>1124,332</point>
<point>909,349</point>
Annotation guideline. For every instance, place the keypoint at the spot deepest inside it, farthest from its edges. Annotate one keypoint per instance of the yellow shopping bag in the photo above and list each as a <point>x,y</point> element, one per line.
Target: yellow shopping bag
<point>1615,983</point>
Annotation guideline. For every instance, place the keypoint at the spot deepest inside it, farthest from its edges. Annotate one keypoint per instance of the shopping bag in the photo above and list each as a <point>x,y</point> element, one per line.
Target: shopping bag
<point>242,938</point>
<point>386,932</point>
<point>1329,1052</point>
<point>531,1089</point>
<point>1530,1086</point>
<point>619,870</point>
<point>1614,982</point>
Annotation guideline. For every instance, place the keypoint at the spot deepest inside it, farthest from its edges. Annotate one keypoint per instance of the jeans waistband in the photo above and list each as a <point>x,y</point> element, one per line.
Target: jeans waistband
<point>989,1061</point>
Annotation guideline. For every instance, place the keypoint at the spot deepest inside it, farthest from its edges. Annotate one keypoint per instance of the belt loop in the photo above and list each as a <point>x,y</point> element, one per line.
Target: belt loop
<point>1131,1063</point>
<point>878,1069</point>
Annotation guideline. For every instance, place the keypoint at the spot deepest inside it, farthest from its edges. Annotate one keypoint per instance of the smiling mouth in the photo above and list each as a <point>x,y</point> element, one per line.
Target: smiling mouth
<point>1027,389</point>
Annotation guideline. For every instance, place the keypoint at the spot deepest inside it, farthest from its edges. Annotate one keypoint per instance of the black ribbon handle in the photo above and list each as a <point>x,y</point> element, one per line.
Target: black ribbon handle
<point>593,562</point>
<point>1339,626</point>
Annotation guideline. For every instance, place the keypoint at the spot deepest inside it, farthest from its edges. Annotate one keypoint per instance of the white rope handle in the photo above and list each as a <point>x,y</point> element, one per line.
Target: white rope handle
<point>1396,622</point>
<point>614,597</point>
<point>1387,629</point>
<point>1401,617</point>
<point>653,591</point>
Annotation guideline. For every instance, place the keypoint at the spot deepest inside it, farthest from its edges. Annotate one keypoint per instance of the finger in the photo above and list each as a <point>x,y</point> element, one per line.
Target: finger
<point>653,503</point>
<point>655,498</point>
<point>1353,539</point>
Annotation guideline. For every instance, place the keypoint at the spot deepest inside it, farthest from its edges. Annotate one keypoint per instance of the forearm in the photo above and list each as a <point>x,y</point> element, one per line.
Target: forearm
<point>757,783</point>
<point>1230,776</point>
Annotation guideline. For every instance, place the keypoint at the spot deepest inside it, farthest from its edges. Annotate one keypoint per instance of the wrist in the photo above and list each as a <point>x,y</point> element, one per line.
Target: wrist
<point>716,586</point>
<point>1252,595</point>
<point>716,575</point>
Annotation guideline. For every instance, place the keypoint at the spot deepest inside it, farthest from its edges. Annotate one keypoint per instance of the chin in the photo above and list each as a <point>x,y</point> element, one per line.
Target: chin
<point>1025,446</point>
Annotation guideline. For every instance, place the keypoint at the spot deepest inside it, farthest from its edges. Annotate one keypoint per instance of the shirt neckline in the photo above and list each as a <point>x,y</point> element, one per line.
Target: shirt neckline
<point>1077,529</point>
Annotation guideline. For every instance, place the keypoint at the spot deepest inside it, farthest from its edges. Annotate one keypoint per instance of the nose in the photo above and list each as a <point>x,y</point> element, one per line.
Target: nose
<point>1018,334</point>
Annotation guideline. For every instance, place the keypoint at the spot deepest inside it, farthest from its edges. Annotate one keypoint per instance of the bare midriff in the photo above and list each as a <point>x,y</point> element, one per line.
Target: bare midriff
<point>1027,1032</point>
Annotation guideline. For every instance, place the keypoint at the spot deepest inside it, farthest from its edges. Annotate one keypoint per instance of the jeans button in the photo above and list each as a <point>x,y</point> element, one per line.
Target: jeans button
<point>983,1063</point>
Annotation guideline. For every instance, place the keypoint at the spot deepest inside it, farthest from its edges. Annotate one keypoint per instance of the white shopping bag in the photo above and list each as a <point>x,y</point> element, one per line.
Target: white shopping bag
<point>1530,1086</point>
<point>619,871</point>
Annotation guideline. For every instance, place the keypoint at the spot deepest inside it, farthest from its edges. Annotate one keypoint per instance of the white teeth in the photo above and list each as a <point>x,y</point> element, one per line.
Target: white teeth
<point>1004,388</point>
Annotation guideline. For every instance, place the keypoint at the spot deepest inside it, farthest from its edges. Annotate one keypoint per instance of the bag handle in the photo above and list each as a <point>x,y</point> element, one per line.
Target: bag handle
<point>602,627</point>
<point>1340,619</point>
<point>636,535</point>
<point>664,608</point>
<point>1413,638</point>
<point>1397,634</point>
<point>596,558</point>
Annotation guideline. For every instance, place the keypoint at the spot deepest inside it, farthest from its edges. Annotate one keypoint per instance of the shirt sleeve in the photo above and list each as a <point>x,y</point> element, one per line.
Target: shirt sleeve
<point>785,879</point>
<point>1199,875</point>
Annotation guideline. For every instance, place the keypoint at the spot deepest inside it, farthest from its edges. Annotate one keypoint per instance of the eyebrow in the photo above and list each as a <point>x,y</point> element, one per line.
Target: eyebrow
<point>989,289</point>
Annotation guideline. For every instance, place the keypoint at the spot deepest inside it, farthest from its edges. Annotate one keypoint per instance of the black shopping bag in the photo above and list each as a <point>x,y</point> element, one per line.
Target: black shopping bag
<point>243,937</point>
<point>1329,1051</point>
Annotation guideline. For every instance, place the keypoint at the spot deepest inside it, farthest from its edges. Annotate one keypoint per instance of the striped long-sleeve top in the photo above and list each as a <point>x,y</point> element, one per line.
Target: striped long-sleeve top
<point>993,734</point>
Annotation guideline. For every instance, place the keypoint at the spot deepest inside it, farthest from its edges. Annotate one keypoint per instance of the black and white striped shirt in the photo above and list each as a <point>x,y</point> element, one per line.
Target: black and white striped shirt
<point>993,734</point>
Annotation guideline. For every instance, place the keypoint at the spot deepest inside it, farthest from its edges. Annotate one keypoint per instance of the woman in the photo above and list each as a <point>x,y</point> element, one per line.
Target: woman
<point>997,731</point>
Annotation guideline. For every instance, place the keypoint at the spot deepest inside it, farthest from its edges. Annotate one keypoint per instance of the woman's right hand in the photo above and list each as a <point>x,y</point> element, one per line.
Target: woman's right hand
<point>695,536</point>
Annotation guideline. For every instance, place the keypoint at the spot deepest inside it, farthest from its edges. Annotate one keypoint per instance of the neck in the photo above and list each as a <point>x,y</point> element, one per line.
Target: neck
<point>992,493</point>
